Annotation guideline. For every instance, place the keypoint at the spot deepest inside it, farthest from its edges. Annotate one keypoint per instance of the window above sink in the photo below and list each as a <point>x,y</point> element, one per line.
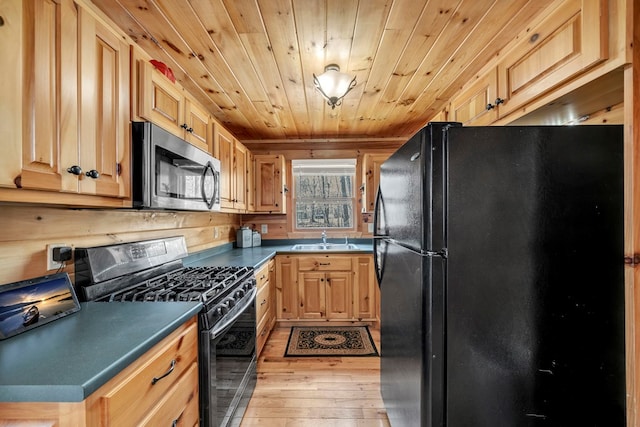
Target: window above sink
<point>324,194</point>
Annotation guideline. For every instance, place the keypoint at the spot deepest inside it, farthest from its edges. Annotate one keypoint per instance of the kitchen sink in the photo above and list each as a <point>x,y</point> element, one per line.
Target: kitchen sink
<point>325,247</point>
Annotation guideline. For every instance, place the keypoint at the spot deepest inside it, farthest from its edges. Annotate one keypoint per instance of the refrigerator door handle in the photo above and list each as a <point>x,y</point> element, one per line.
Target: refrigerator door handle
<point>378,260</point>
<point>378,213</point>
<point>377,263</point>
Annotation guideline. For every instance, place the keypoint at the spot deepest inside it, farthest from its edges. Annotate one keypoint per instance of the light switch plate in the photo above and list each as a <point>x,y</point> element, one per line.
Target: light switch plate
<point>264,229</point>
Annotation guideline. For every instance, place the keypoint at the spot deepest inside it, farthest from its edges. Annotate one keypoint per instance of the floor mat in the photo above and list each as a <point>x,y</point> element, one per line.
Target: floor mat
<point>330,341</point>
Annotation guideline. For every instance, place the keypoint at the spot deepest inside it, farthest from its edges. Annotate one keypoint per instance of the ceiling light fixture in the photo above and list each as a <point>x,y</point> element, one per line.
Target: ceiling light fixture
<point>333,84</point>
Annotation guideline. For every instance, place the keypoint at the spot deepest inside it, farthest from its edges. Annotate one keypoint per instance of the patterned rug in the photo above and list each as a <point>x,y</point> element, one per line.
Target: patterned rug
<point>330,341</point>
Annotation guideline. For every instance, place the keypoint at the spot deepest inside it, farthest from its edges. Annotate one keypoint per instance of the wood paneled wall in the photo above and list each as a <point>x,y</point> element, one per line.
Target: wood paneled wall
<point>26,231</point>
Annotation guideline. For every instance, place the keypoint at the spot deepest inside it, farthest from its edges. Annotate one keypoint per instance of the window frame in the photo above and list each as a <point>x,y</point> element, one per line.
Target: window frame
<point>328,164</point>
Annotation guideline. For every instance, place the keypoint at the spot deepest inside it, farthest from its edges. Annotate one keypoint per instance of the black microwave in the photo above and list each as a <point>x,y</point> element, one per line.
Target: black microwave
<point>170,173</point>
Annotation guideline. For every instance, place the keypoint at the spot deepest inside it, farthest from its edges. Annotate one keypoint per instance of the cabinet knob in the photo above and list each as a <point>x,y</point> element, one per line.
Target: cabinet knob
<point>93,174</point>
<point>75,169</point>
<point>186,127</point>
<point>497,102</point>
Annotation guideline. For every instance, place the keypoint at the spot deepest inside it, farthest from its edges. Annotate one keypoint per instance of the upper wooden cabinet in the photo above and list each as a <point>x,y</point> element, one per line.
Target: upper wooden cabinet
<point>104,109</point>
<point>270,183</point>
<point>251,182</point>
<point>166,104</point>
<point>571,40</point>
<point>73,134</point>
<point>234,164</point>
<point>240,172</point>
<point>478,104</point>
<point>371,179</point>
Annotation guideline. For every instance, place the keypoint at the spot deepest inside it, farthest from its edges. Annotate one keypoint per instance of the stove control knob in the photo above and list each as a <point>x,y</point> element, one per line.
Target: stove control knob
<point>239,294</point>
<point>230,303</point>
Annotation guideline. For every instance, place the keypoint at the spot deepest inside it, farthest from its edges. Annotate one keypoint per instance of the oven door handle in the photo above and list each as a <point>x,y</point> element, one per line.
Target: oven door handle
<point>222,327</point>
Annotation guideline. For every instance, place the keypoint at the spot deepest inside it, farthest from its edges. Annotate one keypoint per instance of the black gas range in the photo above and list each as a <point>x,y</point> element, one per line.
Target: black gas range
<point>153,271</point>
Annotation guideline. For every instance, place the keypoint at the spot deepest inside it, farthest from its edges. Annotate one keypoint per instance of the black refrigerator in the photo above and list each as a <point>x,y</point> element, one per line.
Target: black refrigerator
<point>499,252</point>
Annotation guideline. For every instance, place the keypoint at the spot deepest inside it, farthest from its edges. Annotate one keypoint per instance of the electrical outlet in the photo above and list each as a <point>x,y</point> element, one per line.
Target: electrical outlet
<point>51,264</point>
<point>370,227</point>
<point>215,232</point>
<point>264,229</point>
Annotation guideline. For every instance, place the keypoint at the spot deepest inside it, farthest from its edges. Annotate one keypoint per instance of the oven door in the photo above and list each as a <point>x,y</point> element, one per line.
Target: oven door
<point>228,366</point>
<point>170,173</point>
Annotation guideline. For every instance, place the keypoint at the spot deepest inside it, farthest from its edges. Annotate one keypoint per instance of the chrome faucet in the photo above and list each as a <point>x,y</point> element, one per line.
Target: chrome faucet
<point>324,237</point>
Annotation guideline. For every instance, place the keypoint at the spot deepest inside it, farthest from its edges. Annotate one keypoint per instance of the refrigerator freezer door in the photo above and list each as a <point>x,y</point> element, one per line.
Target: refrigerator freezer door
<point>535,280</point>
<point>411,348</point>
<point>412,191</point>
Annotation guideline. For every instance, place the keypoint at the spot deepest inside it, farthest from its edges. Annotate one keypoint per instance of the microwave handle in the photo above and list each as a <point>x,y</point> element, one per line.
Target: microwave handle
<point>208,201</point>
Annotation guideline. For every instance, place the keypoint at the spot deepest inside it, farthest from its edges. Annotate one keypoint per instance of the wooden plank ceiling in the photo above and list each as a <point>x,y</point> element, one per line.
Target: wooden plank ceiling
<point>251,62</point>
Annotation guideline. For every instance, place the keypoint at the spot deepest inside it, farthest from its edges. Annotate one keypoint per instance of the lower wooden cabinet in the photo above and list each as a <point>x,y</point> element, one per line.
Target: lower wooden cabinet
<point>325,287</point>
<point>265,303</point>
<point>159,388</point>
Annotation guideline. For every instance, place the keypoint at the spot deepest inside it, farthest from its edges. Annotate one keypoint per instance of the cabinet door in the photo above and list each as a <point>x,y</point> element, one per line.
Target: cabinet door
<point>49,137</point>
<point>240,166</point>
<point>224,152</point>
<point>104,109</point>
<point>197,126</point>
<point>286,287</point>
<point>476,104</point>
<point>269,178</point>
<point>572,39</point>
<point>251,182</point>
<point>371,177</point>
<point>364,288</point>
<point>11,88</point>
<point>272,292</point>
<point>311,289</point>
<point>339,300</point>
<point>160,100</point>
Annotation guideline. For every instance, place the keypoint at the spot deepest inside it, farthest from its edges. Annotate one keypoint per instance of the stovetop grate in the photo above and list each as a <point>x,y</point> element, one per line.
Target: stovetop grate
<point>186,284</point>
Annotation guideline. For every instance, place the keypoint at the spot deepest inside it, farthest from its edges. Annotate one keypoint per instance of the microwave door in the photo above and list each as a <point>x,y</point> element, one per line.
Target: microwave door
<point>179,181</point>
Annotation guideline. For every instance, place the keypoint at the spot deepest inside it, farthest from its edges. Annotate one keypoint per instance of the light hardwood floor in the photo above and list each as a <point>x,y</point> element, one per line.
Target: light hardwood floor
<point>318,392</point>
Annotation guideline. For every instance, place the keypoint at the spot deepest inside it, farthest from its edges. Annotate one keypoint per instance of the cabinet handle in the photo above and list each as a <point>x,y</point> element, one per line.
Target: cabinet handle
<point>75,169</point>
<point>324,263</point>
<point>156,379</point>
<point>497,102</point>
<point>186,127</point>
<point>264,301</point>
<point>93,174</point>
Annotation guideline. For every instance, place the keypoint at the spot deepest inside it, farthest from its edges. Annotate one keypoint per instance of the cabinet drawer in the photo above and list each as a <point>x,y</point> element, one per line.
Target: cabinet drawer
<point>132,399</point>
<point>262,302</point>
<point>179,406</point>
<point>324,263</point>
<point>262,275</point>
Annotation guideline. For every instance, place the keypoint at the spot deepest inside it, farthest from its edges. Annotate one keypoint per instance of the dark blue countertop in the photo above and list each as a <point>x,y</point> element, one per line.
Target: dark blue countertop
<point>256,256</point>
<point>70,358</point>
